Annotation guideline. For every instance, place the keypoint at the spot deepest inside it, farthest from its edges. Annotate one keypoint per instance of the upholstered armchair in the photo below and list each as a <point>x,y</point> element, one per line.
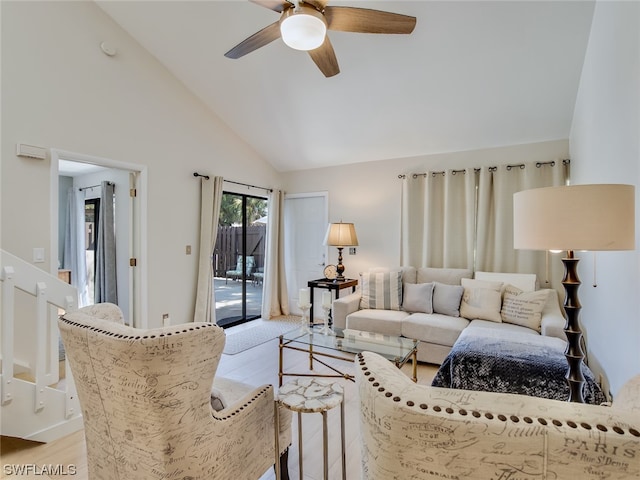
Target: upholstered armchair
<point>146,398</point>
<point>421,432</point>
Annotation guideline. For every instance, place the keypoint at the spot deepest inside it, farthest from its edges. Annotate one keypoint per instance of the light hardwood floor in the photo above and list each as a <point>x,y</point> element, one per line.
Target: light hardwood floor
<point>256,366</point>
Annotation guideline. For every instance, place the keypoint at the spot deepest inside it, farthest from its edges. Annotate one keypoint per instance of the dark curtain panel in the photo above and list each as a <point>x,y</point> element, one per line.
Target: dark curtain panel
<point>106,283</point>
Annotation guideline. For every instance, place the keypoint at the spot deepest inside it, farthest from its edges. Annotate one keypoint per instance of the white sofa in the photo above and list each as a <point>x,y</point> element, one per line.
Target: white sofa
<point>437,332</point>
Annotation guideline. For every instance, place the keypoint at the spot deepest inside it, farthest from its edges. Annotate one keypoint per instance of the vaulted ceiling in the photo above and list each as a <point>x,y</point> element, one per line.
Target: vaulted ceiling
<point>472,75</point>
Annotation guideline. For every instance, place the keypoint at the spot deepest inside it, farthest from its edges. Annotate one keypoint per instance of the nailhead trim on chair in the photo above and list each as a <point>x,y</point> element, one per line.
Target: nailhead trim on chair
<point>178,331</point>
<point>488,415</point>
<point>137,337</point>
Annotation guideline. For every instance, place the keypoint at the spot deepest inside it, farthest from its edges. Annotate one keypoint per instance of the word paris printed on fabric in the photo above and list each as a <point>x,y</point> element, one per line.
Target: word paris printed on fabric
<point>417,431</point>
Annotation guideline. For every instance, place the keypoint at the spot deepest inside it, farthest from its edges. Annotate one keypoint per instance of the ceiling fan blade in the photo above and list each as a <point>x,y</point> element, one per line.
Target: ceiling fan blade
<point>363,20</point>
<point>275,5</point>
<point>325,58</point>
<point>317,4</point>
<point>255,41</point>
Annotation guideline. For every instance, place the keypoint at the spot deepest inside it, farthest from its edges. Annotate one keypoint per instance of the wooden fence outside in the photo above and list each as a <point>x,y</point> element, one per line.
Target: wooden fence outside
<point>229,247</point>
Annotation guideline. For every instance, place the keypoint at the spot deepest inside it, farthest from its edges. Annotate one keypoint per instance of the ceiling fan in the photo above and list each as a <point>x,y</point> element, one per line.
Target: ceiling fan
<point>303,25</point>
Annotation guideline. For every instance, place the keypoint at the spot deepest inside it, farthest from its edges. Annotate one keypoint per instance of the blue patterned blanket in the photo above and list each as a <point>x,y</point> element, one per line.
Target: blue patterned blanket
<point>499,361</point>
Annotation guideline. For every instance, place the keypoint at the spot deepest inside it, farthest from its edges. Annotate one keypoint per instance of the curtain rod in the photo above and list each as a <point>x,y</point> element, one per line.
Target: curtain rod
<point>248,185</point>
<point>93,186</point>
<point>206,177</point>
<point>551,163</point>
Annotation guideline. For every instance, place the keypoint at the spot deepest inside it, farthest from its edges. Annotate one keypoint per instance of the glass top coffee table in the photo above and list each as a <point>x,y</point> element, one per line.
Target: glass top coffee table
<point>399,350</point>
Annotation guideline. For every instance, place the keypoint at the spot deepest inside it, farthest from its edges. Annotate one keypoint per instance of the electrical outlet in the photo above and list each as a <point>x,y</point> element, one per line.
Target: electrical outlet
<point>165,320</point>
<point>352,250</point>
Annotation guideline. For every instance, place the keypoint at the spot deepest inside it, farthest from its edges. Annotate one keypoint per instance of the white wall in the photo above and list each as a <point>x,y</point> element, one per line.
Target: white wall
<point>60,91</point>
<point>368,194</point>
<point>64,184</point>
<point>605,148</point>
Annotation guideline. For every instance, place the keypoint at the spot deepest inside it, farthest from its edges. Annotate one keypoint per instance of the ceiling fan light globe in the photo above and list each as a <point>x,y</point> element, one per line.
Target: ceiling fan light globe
<point>303,31</point>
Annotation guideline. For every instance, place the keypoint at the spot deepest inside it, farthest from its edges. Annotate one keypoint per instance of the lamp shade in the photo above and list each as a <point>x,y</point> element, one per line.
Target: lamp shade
<point>578,217</point>
<point>341,235</point>
<point>303,28</point>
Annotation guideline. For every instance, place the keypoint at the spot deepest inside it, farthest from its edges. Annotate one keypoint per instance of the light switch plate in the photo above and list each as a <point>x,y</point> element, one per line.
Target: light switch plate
<point>38,255</point>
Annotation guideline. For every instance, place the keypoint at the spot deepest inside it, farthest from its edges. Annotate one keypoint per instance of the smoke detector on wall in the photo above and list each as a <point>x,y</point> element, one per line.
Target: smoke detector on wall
<point>108,49</point>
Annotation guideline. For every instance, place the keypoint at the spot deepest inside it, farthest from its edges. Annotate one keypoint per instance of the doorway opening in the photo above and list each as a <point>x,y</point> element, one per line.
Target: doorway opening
<point>80,175</point>
<point>239,258</point>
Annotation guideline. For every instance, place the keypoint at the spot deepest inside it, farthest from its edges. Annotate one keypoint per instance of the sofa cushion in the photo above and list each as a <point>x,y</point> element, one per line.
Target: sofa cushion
<point>481,299</point>
<point>524,281</point>
<point>387,322</point>
<point>446,299</point>
<point>226,391</point>
<point>417,297</point>
<point>381,290</point>
<point>506,327</point>
<point>474,283</point>
<point>434,328</point>
<point>450,276</point>
<point>523,308</point>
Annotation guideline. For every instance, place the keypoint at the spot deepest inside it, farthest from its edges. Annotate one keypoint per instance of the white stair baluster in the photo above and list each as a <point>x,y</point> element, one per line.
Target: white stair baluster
<point>8,289</point>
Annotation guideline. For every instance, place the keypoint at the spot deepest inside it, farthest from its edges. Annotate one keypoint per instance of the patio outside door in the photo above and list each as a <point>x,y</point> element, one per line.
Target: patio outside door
<point>239,258</point>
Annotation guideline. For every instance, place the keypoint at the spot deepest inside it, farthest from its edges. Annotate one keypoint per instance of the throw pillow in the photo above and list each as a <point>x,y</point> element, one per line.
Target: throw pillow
<point>523,308</point>
<point>381,290</point>
<point>446,299</point>
<point>418,297</point>
<point>481,300</point>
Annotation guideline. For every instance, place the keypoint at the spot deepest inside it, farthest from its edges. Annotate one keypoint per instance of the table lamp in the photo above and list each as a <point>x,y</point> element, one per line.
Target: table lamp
<point>341,235</point>
<point>579,217</point>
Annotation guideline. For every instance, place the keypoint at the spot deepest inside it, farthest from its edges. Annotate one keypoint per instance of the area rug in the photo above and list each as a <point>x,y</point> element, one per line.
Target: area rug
<point>254,336</point>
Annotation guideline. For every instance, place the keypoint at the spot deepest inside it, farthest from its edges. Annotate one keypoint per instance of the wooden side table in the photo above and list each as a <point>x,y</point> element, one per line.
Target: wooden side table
<point>330,285</point>
<point>313,395</point>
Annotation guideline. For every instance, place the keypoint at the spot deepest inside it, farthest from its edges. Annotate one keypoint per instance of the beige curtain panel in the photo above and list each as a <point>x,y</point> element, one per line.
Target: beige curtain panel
<point>210,200</point>
<point>275,299</point>
<point>438,219</point>
<point>464,218</point>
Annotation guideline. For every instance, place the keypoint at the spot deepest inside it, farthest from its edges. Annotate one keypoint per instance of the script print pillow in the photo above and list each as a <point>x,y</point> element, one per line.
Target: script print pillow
<point>381,291</point>
<point>523,308</point>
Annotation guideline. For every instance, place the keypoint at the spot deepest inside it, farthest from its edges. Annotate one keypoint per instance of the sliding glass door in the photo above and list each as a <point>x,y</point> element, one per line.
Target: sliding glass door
<point>239,258</point>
